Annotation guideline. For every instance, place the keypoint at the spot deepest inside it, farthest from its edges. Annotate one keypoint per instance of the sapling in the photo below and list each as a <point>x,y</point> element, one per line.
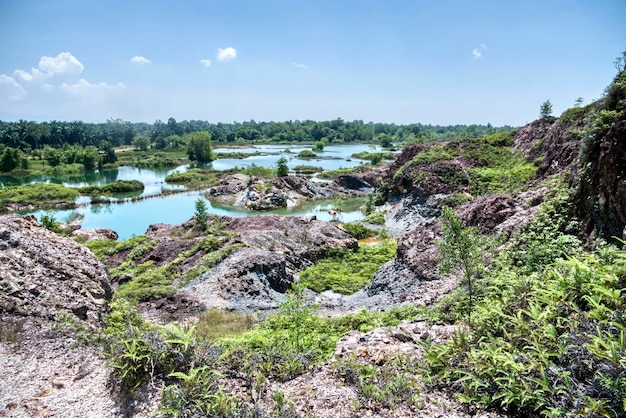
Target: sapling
<point>460,250</point>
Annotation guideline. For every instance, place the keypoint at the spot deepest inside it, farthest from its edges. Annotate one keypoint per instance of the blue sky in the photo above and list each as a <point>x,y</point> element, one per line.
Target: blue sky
<point>432,62</point>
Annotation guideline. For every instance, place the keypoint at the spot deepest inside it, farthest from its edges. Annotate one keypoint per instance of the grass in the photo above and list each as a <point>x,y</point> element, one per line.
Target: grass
<point>307,169</point>
<point>194,178</point>
<point>214,324</point>
<point>331,174</point>
<point>119,186</point>
<point>347,271</point>
<point>41,195</point>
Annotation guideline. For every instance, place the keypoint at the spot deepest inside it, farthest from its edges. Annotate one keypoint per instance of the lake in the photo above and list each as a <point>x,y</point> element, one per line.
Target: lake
<point>129,218</point>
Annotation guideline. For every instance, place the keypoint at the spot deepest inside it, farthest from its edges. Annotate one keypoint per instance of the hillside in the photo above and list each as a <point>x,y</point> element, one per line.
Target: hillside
<point>529,319</point>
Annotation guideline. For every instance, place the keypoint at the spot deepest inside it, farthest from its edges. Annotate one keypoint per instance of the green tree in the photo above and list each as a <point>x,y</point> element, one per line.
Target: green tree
<point>52,155</point>
<point>578,102</point>
<point>201,216</point>
<point>281,167</point>
<point>545,110</point>
<point>141,142</point>
<point>460,249</point>
<point>385,140</point>
<point>199,147</point>
<point>90,157</point>
<point>10,159</point>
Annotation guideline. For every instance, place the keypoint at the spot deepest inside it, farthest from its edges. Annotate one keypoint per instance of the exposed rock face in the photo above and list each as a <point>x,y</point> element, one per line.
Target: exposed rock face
<point>289,191</point>
<point>256,276</point>
<point>600,183</point>
<point>43,274</point>
<point>549,140</point>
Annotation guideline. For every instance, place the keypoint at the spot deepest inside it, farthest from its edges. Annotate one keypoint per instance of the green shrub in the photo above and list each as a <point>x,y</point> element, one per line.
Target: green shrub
<point>359,231</point>
<point>45,195</point>
<point>347,271</point>
<point>307,154</point>
<point>118,186</point>
<point>376,218</point>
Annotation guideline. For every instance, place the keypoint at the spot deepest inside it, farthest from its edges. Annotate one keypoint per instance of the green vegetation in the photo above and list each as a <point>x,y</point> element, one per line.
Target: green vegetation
<point>201,216</point>
<point>346,271</point>
<point>43,195</point>
<point>307,154</point>
<point>545,111</point>
<point>149,281</point>
<point>118,186</point>
<point>194,178</point>
<point>307,169</point>
<point>331,174</point>
<point>258,171</point>
<point>358,230</point>
<point>365,155</point>
<point>375,218</point>
<point>199,147</point>
<point>460,249</point>
<point>281,167</point>
<point>494,168</point>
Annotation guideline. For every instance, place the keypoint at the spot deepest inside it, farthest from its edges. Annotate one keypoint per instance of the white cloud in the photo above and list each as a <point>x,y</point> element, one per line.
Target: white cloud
<point>10,88</point>
<point>64,63</point>
<point>226,54</point>
<point>478,52</point>
<point>138,59</point>
<point>85,88</point>
<point>297,64</point>
<point>206,63</point>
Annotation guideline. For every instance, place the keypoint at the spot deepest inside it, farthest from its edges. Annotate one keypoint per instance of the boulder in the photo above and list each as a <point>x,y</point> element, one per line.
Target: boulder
<point>43,274</point>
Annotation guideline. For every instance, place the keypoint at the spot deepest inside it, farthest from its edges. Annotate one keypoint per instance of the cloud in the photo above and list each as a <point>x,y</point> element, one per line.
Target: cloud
<point>478,52</point>
<point>138,59</point>
<point>206,63</point>
<point>297,64</point>
<point>11,89</point>
<point>84,88</point>
<point>63,64</point>
<point>226,54</point>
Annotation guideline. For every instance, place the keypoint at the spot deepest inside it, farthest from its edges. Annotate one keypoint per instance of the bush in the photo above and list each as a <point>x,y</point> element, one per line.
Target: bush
<point>347,271</point>
<point>306,154</point>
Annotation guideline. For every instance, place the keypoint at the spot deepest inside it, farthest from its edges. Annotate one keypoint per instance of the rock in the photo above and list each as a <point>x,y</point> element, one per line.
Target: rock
<point>256,276</point>
<point>599,180</point>
<point>43,274</point>
<point>288,191</point>
<point>96,233</point>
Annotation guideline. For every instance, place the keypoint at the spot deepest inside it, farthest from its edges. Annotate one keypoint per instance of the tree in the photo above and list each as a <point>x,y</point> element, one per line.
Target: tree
<point>10,159</point>
<point>201,215</point>
<point>460,249</point>
<point>199,147</point>
<point>578,102</point>
<point>141,142</point>
<point>546,110</point>
<point>385,140</point>
<point>281,167</point>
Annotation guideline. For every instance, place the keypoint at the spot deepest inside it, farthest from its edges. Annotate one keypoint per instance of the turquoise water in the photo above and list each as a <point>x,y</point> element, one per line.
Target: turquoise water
<point>129,218</point>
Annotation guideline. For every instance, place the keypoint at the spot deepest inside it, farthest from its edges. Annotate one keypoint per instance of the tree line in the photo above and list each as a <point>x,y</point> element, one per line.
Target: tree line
<point>29,136</point>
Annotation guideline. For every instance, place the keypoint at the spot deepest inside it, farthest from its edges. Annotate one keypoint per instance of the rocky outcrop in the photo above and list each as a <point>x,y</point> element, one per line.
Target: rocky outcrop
<point>256,276</point>
<point>552,144</point>
<point>96,233</point>
<point>599,180</point>
<point>260,194</point>
<point>43,274</point>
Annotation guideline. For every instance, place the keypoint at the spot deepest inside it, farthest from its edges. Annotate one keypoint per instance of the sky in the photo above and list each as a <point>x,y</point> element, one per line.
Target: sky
<point>416,61</point>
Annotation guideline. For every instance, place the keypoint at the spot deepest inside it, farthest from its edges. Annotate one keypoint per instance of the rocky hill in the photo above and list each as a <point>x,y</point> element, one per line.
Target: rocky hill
<point>534,194</point>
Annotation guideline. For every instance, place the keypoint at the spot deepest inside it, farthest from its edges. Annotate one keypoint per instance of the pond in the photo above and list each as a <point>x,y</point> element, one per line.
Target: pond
<point>130,218</point>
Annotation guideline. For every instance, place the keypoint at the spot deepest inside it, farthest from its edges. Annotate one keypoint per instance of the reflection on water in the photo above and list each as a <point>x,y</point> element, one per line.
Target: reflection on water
<point>133,217</point>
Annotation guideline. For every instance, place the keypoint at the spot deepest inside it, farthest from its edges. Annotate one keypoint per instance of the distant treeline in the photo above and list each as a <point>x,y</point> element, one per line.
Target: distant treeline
<point>28,135</point>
